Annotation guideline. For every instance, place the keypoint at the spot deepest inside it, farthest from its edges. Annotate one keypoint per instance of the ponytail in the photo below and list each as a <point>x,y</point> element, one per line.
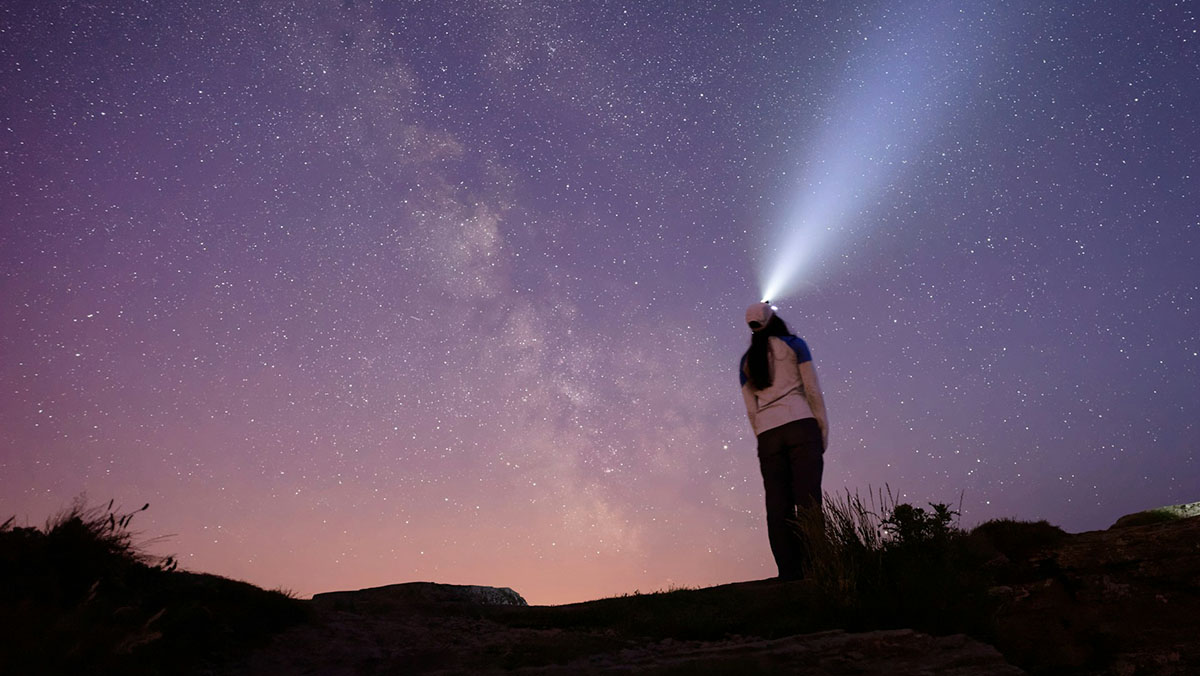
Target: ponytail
<point>758,364</point>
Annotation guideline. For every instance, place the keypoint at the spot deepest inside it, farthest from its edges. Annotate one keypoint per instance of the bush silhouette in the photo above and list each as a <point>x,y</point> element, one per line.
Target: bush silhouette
<point>81,597</point>
<point>888,564</point>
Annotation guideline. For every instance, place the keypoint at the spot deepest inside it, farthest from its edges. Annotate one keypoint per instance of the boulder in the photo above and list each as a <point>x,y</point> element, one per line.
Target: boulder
<point>1158,515</point>
<point>422,596</point>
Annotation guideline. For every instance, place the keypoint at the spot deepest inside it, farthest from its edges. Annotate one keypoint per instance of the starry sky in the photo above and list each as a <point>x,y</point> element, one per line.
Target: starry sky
<point>360,293</point>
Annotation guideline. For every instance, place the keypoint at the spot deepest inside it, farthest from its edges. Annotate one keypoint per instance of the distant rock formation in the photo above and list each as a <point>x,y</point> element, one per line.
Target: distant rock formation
<point>1159,514</point>
<point>420,595</point>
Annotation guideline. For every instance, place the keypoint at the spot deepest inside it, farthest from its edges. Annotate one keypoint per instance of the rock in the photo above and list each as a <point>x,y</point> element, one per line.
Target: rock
<point>1124,600</point>
<point>420,595</point>
<point>350,644</point>
<point>900,652</point>
<point>1158,515</point>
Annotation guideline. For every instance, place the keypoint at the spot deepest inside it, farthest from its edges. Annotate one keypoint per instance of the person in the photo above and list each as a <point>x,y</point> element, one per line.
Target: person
<point>787,413</point>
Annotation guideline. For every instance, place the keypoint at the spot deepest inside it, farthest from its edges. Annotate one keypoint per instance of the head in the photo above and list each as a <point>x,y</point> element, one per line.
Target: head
<point>759,315</point>
<point>763,323</point>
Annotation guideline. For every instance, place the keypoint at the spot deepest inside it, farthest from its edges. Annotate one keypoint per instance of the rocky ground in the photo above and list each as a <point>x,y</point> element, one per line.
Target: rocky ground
<point>1125,601</point>
<point>1120,601</point>
<point>419,628</point>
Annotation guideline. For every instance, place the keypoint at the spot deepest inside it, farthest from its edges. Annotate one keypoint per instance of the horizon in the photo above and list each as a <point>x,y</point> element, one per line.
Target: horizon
<point>356,294</point>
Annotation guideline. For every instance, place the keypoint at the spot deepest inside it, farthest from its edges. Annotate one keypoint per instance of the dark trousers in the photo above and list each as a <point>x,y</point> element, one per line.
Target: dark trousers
<point>792,460</point>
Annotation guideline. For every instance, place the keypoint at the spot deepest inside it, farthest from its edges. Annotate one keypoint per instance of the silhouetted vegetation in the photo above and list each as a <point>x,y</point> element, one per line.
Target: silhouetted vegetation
<point>889,565</point>
<point>79,596</point>
<point>875,564</point>
<point>1004,540</point>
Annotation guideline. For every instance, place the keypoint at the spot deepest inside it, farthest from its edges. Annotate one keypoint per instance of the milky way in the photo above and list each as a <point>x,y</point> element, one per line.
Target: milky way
<point>363,293</point>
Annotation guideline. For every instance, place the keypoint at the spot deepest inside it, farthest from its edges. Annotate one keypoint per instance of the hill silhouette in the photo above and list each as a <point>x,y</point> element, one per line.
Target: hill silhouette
<point>78,597</point>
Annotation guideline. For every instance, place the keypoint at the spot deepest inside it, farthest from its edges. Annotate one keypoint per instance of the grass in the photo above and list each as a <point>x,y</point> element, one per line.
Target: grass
<point>885,564</point>
<point>875,563</point>
<point>80,596</point>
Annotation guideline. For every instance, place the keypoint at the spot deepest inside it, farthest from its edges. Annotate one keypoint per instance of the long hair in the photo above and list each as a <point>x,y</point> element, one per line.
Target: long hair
<point>757,358</point>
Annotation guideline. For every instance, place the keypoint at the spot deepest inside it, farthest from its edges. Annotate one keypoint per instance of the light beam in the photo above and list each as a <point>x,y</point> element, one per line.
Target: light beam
<point>900,88</point>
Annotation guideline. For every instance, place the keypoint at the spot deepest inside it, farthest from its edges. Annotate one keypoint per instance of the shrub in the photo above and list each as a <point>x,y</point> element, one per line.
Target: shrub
<point>889,564</point>
<point>1001,541</point>
<point>911,526</point>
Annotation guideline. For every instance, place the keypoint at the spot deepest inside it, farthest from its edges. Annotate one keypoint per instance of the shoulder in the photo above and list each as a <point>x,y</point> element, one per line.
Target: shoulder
<point>799,347</point>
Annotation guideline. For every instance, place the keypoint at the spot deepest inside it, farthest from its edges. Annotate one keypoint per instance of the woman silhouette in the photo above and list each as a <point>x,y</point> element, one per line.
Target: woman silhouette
<point>787,413</point>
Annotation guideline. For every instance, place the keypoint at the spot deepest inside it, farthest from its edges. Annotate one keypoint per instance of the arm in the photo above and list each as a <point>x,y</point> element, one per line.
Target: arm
<point>812,392</point>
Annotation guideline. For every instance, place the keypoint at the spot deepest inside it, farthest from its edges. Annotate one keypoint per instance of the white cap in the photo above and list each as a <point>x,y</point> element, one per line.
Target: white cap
<point>759,314</point>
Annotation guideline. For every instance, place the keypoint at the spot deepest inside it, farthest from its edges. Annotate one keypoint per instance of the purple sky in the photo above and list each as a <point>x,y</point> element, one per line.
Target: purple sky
<point>363,293</point>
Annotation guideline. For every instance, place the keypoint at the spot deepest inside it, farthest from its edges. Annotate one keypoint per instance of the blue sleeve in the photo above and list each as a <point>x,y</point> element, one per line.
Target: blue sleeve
<point>799,347</point>
<point>742,371</point>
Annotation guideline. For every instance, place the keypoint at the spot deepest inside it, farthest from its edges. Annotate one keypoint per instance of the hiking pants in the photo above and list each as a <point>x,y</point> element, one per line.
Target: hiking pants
<point>791,458</point>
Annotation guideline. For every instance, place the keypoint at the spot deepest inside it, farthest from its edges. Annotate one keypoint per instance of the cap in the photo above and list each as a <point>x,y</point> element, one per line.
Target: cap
<point>759,314</point>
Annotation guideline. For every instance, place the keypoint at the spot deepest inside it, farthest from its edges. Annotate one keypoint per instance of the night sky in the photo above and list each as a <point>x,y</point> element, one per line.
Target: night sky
<point>364,293</point>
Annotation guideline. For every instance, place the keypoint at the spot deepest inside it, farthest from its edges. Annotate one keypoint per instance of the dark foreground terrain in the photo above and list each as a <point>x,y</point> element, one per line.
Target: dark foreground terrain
<point>1006,598</point>
<point>1125,601</point>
